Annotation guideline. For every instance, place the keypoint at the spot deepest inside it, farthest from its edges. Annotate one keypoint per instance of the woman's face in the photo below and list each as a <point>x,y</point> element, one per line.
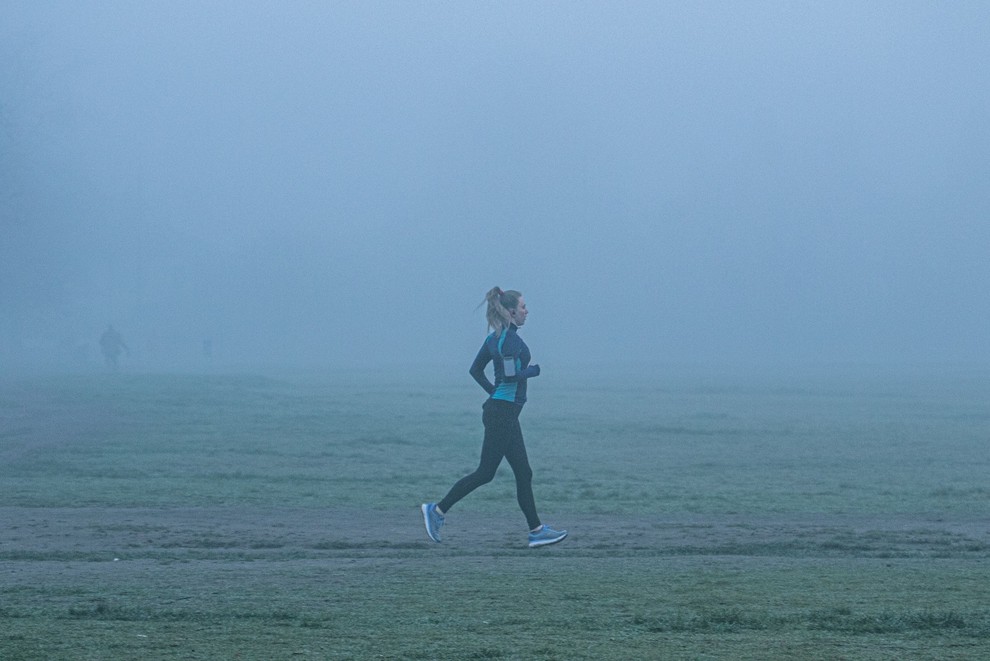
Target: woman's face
<point>519,314</point>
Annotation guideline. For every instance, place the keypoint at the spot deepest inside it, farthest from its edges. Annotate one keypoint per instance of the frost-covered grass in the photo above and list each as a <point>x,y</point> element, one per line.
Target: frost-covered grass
<point>269,517</point>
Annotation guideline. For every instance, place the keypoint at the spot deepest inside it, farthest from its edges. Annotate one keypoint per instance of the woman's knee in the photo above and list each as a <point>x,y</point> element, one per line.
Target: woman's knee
<point>482,476</point>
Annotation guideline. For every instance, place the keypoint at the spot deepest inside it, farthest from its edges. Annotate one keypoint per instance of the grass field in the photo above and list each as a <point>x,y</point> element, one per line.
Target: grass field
<point>712,516</point>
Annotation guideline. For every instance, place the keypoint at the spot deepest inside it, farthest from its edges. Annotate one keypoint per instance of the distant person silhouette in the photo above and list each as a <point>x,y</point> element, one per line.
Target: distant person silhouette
<point>111,344</point>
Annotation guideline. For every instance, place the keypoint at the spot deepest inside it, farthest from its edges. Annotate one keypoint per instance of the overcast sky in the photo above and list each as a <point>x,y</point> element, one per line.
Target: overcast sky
<point>340,183</point>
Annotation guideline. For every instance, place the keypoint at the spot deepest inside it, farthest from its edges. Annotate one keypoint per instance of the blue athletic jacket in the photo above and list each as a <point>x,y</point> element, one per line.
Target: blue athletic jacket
<point>506,344</point>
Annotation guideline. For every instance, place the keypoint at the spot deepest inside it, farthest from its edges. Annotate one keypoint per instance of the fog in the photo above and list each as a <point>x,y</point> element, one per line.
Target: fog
<point>338,184</point>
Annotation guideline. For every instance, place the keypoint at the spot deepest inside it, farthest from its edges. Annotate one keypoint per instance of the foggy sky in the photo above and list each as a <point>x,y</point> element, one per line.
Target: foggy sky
<point>340,183</point>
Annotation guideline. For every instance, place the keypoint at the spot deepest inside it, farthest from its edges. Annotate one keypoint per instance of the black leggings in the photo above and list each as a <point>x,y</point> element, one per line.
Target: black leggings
<point>503,438</point>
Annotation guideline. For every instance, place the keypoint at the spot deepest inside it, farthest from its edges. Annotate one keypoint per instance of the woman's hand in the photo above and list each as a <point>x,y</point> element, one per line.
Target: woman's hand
<point>530,372</point>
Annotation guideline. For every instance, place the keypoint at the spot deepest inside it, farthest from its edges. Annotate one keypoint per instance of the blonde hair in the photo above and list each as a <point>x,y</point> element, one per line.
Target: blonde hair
<point>499,305</point>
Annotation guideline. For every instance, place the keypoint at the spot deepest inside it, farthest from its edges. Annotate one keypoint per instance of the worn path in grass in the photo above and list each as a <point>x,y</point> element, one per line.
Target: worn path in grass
<point>100,534</point>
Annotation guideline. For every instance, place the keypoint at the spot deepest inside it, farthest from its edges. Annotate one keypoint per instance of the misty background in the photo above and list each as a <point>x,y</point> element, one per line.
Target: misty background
<point>338,184</point>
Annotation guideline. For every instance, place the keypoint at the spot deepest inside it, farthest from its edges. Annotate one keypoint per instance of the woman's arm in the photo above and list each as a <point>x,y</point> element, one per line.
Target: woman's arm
<point>478,369</point>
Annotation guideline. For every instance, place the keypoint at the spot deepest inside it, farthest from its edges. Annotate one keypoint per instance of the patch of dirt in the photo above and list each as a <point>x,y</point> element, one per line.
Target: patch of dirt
<point>102,534</point>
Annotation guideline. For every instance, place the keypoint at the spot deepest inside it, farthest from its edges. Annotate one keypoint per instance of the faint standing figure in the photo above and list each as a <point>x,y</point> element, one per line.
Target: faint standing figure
<point>111,344</point>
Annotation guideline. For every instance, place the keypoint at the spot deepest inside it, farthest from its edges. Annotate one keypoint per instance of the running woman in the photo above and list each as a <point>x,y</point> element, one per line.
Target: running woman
<point>500,415</point>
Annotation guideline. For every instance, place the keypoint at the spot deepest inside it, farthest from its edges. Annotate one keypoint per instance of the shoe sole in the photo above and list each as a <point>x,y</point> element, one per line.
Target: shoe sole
<point>547,542</point>
<point>426,521</point>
